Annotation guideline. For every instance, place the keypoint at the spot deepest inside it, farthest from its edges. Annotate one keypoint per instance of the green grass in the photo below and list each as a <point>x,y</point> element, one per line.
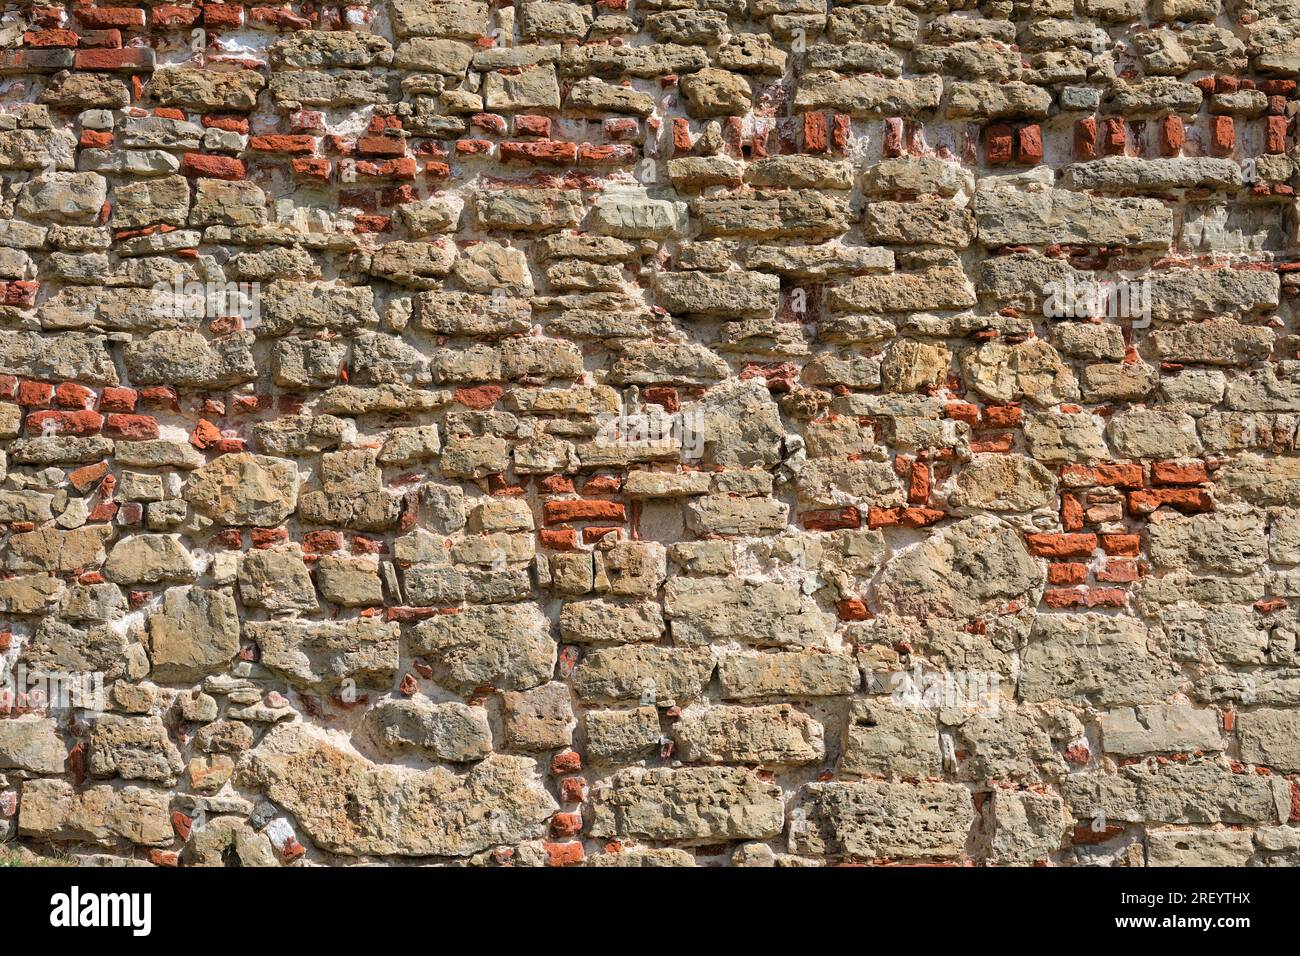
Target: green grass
<point>12,856</point>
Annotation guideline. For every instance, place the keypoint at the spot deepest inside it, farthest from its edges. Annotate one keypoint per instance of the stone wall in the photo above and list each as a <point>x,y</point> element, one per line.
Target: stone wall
<point>651,431</point>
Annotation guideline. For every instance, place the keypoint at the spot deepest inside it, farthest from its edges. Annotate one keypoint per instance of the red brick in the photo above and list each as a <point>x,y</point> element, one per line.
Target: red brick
<point>920,517</point>
<point>963,412</point>
<point>563,854</point>
<point>1029,145</point>
<point>268,537</point>
<point>1107,597</point>
<point>132,427</point>
<point>555,512</point>
<point>34,394</point>
<point>182,823</point>
<point>682,141</point>
<point>918,485</point>
<point>556,485</point>
<point>559,539</point>
<point>1178,473</point>
<point>64,423</point>
<point>92,139</point>
<point>278,17</point>
<point>1122,545</point>
<point>1065,597</point>
<point>489,122</point>
<point>1172,136</point>
<point>1119,476</point>
<point>814,132</point>
<point>1001,416</point>
<point>1223,137</point>
<point>1181,499</point>
<point>665,396</point>
<point>998,144</point>
<point>87,476</point>
<point>1085,138</point>
<point>852,609</point>
<point>994,444</point>
<point>1061,545</point>
<point>591,534</point>
<point>226,15</point>
<point>20,292</point>
<point>621,127</point>
<point>213,167</point>
<point>568,761</point>
<point>1087,597</point>
<point>101,39</point>
<point>1114,137</point>
<point>884,517</point>
<point>231,124</point>
<point>51,38</point>
<point>312,168</point>
<point>602,484</point>
<point>231,539</point>
<point>322,542</point>
<point>167,15</point>
<point>832,519</point>
<point>545,152</point>
<point>592,154</point>
<point>529,125</point>
<point>205,434</point>
<point>841,133</point>
<point>128,60</point>
<point>106,18</point>
<point>566,824</point>
<point>1071,513</point>
<point>1067,573</point>
<point>573,790</point>
<point>1119,571</point>
<point>35,60</point>
<point>71,395</point>
<point>381,146</point>
<point>1275,134</point>
<point>479,397</point>
<point>280,143</point>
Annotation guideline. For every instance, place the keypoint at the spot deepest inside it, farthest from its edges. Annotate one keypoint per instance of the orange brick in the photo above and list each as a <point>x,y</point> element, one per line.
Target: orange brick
<point>1062,545</point>
<point>1178,473</point>
<point>1067,573</point>
<point>555,512</point>
<point>1123,545</point>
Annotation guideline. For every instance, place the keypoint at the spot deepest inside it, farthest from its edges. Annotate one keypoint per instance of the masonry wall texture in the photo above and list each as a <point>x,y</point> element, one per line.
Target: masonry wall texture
<point>630,400</point>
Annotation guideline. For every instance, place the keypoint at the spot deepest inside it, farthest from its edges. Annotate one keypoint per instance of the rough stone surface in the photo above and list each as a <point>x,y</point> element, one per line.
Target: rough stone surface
<point>699,804</point>
<point>344,801</point>
<point>765,433</point>
<point>873,820</point>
